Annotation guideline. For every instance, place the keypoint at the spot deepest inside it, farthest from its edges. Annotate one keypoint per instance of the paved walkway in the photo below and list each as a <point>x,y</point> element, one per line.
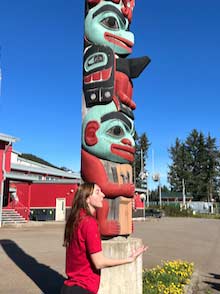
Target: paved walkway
<point>190,239</point>
<point>32,258</point>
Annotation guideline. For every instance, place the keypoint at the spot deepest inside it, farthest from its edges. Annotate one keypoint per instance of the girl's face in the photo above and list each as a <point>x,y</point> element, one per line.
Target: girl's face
<point>95,199</point>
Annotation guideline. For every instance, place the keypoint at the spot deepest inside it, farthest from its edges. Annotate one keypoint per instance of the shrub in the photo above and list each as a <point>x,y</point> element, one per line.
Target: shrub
<point>175,211</point>
<point>169,278</point>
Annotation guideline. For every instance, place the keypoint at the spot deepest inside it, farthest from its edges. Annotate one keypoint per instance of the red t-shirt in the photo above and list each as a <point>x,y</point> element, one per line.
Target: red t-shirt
<point>79,267</point>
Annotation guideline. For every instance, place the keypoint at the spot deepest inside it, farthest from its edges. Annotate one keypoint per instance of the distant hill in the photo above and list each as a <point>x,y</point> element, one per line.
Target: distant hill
<point>37,159</point>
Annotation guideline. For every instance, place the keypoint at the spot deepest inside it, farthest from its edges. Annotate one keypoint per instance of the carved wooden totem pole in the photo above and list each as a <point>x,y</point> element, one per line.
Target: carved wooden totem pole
<point>108,146</point>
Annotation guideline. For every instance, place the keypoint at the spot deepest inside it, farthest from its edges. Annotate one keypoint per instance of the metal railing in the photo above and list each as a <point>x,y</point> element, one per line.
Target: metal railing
<point>23,210</point>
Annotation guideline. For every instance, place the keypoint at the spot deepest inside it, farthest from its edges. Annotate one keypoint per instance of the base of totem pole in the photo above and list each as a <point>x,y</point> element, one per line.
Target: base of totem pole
<point>124,278</point>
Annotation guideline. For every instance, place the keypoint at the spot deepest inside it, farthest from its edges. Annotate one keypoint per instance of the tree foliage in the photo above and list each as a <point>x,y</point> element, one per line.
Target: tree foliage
<point>197,162</point>
<point>154,194</point>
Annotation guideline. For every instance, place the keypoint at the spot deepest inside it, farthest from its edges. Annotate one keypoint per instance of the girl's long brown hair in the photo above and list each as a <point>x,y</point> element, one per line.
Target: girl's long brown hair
<point>79,202</point>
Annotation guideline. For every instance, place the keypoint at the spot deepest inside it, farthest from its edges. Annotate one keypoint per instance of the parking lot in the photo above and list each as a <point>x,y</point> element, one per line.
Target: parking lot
<point>190,239</point>
<point>33,259</point>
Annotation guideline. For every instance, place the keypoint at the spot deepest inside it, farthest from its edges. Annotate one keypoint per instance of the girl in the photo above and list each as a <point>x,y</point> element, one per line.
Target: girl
<point>84,256</point>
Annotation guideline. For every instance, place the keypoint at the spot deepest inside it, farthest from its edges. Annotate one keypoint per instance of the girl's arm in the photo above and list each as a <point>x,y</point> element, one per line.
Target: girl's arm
<point>100,261</point>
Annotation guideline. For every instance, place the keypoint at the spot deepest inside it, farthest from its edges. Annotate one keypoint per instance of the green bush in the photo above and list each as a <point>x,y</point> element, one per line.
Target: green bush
<point>169,278</point>
<point>207,215</point>
<point>175,211</point>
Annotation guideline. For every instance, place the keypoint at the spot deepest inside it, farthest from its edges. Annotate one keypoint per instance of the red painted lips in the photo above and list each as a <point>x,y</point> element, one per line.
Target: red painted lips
<point>125,152</point>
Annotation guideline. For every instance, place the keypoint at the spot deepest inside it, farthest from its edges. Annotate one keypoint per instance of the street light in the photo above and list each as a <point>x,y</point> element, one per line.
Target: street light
<point>143,197</point>
<point>142,176</point>
<point>184,194</point>
<point>156,178</point>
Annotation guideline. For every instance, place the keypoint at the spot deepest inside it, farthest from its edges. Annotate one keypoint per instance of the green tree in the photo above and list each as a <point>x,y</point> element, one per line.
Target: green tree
<point>195,144</point>
<point>154,194</point>
<point>212,168</point>
<point>178,171</point>
<point>197,162</point>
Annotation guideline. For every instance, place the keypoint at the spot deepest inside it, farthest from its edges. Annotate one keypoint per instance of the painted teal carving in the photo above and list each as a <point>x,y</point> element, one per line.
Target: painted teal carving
<point>109,21</point>
<point>110,132</point>
<point>95,61</point>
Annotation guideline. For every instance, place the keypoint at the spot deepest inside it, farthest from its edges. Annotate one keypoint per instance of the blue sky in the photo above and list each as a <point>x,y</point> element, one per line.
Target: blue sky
<point>41,62</point>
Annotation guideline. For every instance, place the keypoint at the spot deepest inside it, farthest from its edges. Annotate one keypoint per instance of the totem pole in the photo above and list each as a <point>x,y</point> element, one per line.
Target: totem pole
<point>108,146</point>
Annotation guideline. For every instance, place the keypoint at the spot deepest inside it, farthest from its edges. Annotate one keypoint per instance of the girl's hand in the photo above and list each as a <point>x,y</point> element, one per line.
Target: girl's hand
<point>137,252</point>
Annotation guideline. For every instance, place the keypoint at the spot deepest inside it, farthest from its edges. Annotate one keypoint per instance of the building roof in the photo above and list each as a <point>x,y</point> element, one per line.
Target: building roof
<point>29,170</point>
<point>46,170</point>
<point>7,138</point>
<point>20,165</point>
<point>58,181</point>
<point>34,179</point>
<point>21,177</point>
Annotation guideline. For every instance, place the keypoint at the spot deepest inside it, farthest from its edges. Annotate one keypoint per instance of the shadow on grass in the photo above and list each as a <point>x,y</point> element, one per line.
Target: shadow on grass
<point>47,279</point>
<point>215,285</point>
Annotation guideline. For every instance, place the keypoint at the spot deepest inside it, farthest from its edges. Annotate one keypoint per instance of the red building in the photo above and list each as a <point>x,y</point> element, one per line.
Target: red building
<point>32,190</point>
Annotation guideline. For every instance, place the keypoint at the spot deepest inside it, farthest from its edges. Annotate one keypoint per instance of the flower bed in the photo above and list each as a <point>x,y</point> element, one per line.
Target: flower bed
<point>170,278</point>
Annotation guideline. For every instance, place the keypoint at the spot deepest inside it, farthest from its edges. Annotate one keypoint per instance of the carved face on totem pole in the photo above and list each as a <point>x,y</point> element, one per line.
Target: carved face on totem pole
<point>107,23</point>
<point>108,134</point>
<point>108,122</point>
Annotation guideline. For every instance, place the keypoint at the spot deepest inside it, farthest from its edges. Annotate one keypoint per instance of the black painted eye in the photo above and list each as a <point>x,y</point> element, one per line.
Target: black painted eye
<point>116,131</point>
<point>110,22</point>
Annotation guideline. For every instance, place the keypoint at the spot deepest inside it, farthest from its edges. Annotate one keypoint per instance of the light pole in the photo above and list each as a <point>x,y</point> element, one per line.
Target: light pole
<point>156,178</point>
<point>148,201</point>
<point>143,198</point>
<point>143,175</point>
<point>160,199</point>
<point>184,194</point>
